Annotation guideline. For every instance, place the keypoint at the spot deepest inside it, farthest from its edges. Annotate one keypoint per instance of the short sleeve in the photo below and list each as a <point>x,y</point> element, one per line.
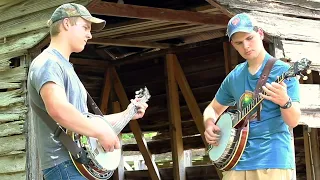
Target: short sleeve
<point>50,71</point>
<point>224,95</point>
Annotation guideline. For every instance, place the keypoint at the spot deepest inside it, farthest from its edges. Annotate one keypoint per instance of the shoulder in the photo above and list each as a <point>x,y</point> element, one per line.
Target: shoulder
<point>237,70</point>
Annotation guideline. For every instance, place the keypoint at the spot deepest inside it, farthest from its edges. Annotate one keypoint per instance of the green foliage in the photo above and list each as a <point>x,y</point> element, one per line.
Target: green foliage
<point>129,136</point>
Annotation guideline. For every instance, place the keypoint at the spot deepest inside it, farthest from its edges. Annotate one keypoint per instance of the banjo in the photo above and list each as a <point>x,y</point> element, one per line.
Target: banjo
<point>99,164</point>
<point>234,126</point>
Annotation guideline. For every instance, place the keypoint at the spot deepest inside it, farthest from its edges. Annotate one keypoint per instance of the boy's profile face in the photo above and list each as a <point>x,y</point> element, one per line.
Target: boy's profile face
<point>78,33</point>
<point>249,45</point>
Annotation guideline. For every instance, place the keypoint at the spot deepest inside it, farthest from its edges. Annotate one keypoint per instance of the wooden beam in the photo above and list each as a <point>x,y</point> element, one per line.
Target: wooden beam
<point>221,8</point>
<point>227,57</point>
<point>163,52</point>
<point>135,128</point>
<point>128,43</point>
<point>175,120</point>
<point>106,92</point>
<point>191,101</point>
<point>189,97</point>
<point>141,12</point>
<point>89,62</point>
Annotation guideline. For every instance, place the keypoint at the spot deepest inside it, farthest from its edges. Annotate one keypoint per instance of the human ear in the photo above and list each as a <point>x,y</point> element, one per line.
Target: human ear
<point>65,23</point>
<point>261,33</point>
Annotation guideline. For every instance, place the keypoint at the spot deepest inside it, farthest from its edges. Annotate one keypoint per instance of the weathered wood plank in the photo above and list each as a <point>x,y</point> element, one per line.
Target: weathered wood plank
<point>310,105</point>
<point>14,74</point>
<point>12,143</point>
<point>310,96</point>
<point>8,129</point>
<point>300,9</point>
<point>6,85</point>
<point>12,163</point>
<point>23,41</point>
<point>297,50</point>
<point>11,97</point>
<point>288,27</point>
<point>13,176</point>
<point>31,6</point>
<point>26,23</point>
<point>133,11</point>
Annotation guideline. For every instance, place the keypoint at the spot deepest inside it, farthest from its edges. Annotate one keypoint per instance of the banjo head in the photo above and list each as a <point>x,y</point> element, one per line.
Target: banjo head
<point>106,160</point>
<point>225,125</point>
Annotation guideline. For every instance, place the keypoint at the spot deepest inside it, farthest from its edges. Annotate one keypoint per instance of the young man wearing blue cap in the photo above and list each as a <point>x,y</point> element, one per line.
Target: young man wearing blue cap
<point>268,153</point>
<point>57,94</point>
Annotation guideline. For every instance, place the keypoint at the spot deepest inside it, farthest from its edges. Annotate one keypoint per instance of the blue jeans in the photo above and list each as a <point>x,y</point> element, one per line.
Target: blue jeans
<point>62,171</point>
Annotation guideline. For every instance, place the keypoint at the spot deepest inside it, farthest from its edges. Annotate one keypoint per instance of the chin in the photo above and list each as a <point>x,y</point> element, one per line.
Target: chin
<point>78,50</point>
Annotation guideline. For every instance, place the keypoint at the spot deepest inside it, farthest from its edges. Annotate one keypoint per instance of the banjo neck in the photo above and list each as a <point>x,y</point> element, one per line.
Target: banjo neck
<point>131,111</point>
<point>128,115</point>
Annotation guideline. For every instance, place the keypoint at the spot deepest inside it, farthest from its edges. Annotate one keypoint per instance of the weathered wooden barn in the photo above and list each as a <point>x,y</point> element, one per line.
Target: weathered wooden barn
<point>178,49</point>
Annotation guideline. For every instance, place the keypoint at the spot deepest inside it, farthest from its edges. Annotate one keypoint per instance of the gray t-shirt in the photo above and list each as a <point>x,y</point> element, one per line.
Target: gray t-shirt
<point>51,66</point>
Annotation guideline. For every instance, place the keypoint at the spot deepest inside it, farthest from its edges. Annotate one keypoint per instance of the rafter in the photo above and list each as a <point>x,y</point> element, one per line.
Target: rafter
<point>128,43</point>
<point>141,12</point>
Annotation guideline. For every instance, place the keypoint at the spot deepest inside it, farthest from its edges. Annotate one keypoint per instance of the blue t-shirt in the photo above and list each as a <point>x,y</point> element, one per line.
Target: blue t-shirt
<point>269,141</point>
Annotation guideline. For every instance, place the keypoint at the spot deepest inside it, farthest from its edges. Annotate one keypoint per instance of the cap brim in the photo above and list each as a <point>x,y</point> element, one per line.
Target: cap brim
<point>246,30</point>
<point>97,24</point>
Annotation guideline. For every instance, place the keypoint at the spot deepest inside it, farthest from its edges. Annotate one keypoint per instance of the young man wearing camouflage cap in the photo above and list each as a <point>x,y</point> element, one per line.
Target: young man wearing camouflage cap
<point>55,89</point>
<point>268,153</point>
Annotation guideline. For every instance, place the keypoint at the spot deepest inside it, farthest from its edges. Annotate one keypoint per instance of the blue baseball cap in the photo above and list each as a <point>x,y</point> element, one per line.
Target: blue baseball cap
<point>242,22</point>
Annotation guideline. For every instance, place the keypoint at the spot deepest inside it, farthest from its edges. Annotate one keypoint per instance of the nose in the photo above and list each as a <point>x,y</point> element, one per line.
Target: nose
<point>246,44</point>
<point>89,35</point>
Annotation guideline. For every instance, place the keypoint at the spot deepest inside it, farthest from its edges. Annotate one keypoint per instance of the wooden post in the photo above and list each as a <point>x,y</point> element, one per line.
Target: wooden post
<point>135,128</point>
<point>175,120</point>
<point>315,152</point>
<point>308,155</point>
<point>33,162</point>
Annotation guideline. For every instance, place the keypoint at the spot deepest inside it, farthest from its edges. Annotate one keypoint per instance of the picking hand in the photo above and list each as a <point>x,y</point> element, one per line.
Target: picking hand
<point>106,136</point>
<point>212,134</point>
<point>276,92</point>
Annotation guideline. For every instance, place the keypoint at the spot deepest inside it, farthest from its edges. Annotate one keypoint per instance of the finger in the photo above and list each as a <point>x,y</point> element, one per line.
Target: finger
<point>273,86</point>
<point>283,84</point>
<point>268,91</point>
<point>111,149</point>
<point>212,136</point>
<point>117,145</point>
<point>265,96</point>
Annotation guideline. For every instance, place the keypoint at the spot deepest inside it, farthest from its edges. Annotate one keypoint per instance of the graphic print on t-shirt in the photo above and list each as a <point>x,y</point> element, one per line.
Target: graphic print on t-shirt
<point>245,99</point>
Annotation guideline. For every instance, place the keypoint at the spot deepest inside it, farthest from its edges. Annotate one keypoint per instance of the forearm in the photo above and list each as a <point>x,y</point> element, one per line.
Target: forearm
<point>210,114</point>
<point>291,115</point>
<point>70,118</point>
<point>114,118</point>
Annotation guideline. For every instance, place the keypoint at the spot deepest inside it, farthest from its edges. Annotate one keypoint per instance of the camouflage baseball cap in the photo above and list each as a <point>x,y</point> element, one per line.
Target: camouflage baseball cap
<point>76,10</point>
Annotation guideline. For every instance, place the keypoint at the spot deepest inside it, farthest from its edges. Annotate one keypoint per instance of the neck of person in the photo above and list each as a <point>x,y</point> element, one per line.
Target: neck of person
<point>255,64</point>
<point>59,44</point>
